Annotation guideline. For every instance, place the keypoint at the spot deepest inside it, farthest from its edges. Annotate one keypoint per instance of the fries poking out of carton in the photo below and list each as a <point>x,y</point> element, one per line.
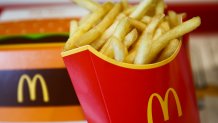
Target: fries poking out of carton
<point>135,34</point>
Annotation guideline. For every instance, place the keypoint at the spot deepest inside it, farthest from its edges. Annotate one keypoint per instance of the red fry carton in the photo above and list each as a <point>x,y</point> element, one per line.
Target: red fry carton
<point>114,92</point>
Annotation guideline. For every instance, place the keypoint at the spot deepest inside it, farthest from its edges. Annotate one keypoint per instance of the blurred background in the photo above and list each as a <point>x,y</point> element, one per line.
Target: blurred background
<point>37,29</point>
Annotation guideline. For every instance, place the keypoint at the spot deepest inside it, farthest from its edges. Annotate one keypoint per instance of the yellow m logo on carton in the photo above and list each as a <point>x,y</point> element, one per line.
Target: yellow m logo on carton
<point>32,87</point>
<point>164,105</point>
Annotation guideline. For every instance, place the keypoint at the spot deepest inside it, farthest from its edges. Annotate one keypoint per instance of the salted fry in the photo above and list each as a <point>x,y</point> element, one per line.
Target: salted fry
<point>120,16</point>
<point>121,30</point>
<point>88,4</point>
<point>129,10</point>
<point>146,19</point>
<point>160,7</point>
<point>137,24</point>
<point>125,4</point>
<point>107,49</point>
<point>130,38</point>
<point>95,32</point>
<point>174,33</point>
<point>165,26</point>
<point>97,44</point>
<point>94,18</point>
<point>130,58</point>
<point>141,9</point>
<point>73,27</point>
<point>169,50</point>
<point>119,49</point>
<point>154,23</point>
<point>173,19</point>
<point>158,33</point>
<point>145,41</point>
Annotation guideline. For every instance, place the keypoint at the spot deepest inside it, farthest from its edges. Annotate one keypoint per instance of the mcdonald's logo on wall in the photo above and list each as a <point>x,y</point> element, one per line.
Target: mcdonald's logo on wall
<point>34,84</point>
<point>32,87</point>
<point>42,87</point>
<point>164,105</point>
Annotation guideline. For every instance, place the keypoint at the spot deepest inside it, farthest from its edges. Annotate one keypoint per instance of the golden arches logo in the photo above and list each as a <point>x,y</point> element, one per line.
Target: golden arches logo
<point>32,87</point>
<point>164,105</point>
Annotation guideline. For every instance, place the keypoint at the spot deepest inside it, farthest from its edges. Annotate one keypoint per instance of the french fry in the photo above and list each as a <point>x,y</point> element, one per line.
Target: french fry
<point>107,49</point>
<point>146,19</point>
<point>131,56</point>
<point>130,38</point>
<point>88,4</point>
<point>95,32</point>
<point>146,40</point>
<point>173,19</point>
<point>154,23</point>
<point>152,8</point>
<point>121,30</point>
<point>137,24</point>
<point>129,10</point>
<point>141,9</point>
<point>125,4</point>
<point>158,33</point>
<point>119,49</point>
<point>88,37</point>
<point>97,44</point>
<point>120,16</point>
<point>169,50</point>
<point>73,27</point>
<point>94,18</point>
<point>174,33</point>
<point>165,26</point>
<point>160,7</point>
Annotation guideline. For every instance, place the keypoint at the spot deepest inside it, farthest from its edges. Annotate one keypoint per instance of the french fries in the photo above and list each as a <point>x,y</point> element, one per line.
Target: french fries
<point>88,4</point>
<point>145,41</point>
<point>146,19</point>
<point>169,50</point>
<point>97,44</point>
<point>160,7</point>
<point>135,34</point>
<point>119,49</point>
<point>137,24</point>
<point>96,31</point>
<point>130,38</point>
<point>125,4</point>
<point>141,9</point>
<point>176,32</point>
<point>94,18</point>
<point>73,27</point>
<point>121,30</point>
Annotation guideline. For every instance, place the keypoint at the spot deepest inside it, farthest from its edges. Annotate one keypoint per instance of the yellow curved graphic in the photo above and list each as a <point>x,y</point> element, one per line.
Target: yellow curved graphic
<point>32,87</point>
<point>121,64</point>
<point>164,105</point>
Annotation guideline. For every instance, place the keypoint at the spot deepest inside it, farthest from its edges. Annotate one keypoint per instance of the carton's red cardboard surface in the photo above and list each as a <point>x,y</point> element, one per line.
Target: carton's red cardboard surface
<point>115,92</point>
